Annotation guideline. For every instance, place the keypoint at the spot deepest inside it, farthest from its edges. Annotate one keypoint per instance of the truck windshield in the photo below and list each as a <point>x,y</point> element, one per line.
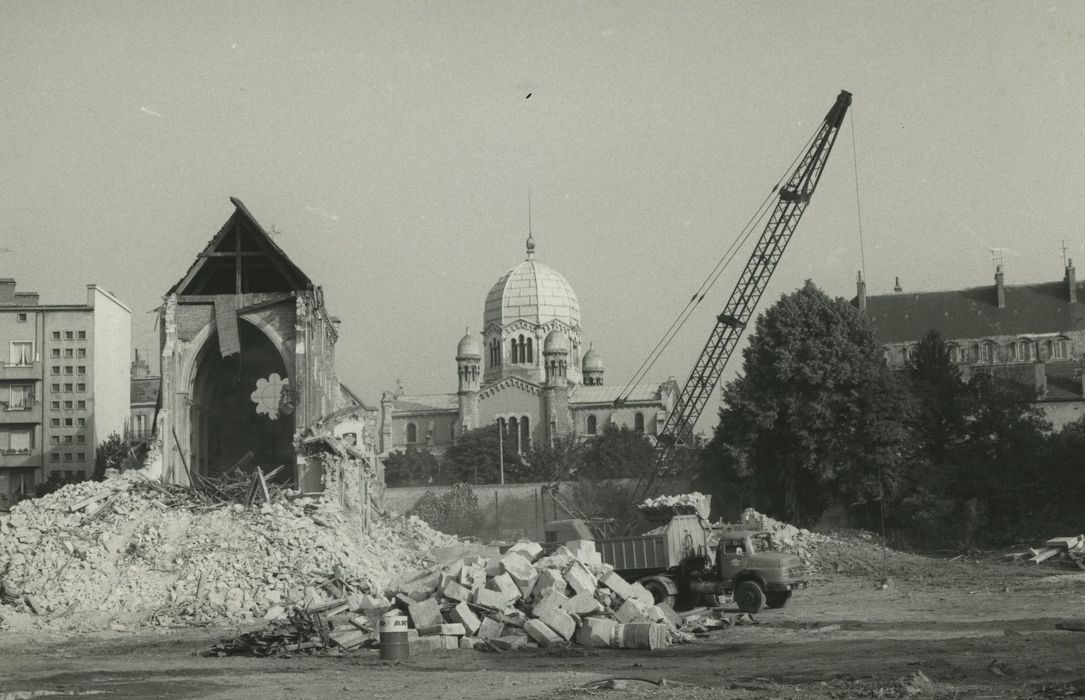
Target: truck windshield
<point>762,543</point>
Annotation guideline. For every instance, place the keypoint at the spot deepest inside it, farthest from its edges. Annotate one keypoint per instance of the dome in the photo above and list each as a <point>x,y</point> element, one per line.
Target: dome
<point>469,347</point>
<point>555,342</point>
<point>533,292</point>
<point>592,360</point>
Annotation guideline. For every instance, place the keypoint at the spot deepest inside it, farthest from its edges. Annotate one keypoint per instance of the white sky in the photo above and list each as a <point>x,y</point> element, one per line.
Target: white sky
<point>393,145</point>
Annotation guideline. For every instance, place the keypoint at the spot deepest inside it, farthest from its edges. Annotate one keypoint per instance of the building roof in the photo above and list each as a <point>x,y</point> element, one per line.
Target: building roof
<point>583,394</point>
<point>145,390</point>
<point>1030,309</point>
<point>533,292</point>
<point>427,403</point>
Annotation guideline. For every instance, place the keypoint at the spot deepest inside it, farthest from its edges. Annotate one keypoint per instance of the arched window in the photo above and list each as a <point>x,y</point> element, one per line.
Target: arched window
<point>1062,349</point>
<point>1024,350</point>
<point>523,350</point>
<point>452,432</point>
<point>1011,352</point>
<point>513,433</point>
<point>412,433</point>
<point>954,353</point>
<point>974,353</point>
<point>591,425</point>
<point>512,351</point>
<point>638,423</point>
<point>530,352</point>
<point>913,352</point>
<point>987,353</point>
<point>525,433</point>
<point>1048,350</point>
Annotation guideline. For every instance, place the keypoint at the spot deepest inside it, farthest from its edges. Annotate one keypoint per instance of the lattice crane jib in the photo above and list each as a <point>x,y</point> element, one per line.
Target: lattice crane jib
<point>793,199</point>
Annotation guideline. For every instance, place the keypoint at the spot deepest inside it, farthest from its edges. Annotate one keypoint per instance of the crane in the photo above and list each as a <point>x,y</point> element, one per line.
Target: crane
<point>792,201</point>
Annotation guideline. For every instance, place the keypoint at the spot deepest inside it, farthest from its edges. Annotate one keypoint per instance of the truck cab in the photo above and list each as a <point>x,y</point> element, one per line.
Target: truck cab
<point>757,574</point>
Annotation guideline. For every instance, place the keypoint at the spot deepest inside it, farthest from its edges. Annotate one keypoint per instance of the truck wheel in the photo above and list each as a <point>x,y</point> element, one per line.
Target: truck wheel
<point>661,589</point>
<point>750,597</point>
<point>777,599</point>
<point>715,601</point>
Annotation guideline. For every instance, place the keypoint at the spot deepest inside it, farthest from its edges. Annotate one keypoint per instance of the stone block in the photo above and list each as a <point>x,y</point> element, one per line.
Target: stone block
<point>425,613</point>
<point>453,568</point>
<point>420,646</point>
<point>561,622</point>
<point>463,614</point>
<point>347,637</point>
<point>549,578</point>
<point>473,576</point>
<point>471,643</point>
<point>447,629</point>
<point>456,591</point>
<point>540,633</point>
<point>581,604</point>
<point>631,610</point>
<point>558,559</point>
<point>505,584</point>
<point>580,579</point>
<point>374,602</point>
<point>529,550</point>
<point>597,632</point>
<point>522,572</point>
<point>491,599</point>
<point>672,617</point>
<point>617,584</point>
<point>509,642</point>
<point>642,594</point>
<point>450,642</point>
<point>548,603</point>
<point>490,628</point>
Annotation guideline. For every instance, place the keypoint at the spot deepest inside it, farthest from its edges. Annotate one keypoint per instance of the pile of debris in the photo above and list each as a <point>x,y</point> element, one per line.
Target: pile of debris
<point>129,550</point>
<point>496,602</point>
<point>1056,549</point>
<point>663,507</point>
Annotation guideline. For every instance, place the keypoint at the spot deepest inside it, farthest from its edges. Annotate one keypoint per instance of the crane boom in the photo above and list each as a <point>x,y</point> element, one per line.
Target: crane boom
<point>793,199</point>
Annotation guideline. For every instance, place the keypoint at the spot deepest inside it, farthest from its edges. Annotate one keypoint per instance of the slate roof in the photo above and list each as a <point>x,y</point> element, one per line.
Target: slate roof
<point>145,390</point>
<point>428,403</point>
<point>1031,309</point>
<point>583,394</point>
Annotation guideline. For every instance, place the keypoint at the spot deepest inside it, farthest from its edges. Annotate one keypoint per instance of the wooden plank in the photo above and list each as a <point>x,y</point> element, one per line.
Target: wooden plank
<point>1043,554</point>
<point>263,484</point>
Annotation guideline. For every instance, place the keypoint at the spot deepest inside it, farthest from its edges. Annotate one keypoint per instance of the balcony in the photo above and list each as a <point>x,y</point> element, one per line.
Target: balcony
<point>20,458</point>
<point>20,370</point>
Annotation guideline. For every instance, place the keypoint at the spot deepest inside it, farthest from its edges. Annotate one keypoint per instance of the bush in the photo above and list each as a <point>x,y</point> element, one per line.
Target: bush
<point>455,512</point>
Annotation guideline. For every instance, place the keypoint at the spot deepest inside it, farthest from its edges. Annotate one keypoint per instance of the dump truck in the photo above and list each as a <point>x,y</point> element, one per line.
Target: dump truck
<point>686,560</point>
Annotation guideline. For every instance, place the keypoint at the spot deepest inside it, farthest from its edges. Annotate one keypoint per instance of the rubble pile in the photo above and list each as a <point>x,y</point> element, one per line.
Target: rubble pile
<point>1056,549</point>
<point>525,597</point>
<point>663,507</point>
<point>125,550</point>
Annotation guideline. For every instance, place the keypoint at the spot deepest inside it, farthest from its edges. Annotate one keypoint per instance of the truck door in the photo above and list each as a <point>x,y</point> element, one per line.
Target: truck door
<point>732,558</point>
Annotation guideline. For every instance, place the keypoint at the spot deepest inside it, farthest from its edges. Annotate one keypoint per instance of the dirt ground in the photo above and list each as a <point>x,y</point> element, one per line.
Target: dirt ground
<point>947,629</point>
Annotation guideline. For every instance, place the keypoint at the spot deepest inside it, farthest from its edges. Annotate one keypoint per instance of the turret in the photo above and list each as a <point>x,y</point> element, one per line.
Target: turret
<point>469,368</point>
<point>556,358</point>
<point>593,368</point>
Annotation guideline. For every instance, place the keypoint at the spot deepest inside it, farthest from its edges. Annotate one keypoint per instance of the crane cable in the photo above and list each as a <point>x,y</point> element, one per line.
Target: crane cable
<point>858,205</point>
<point>714,275</point>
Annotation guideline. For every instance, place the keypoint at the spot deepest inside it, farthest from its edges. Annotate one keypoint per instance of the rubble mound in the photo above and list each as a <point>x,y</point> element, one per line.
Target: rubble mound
<point>123,551</point>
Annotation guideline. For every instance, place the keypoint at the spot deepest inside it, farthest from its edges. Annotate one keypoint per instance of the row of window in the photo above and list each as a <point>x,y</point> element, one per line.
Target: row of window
<point>593,424</point>
<point>70,369</point>
<point>79,387</point>
<point>67,422</point>
<point>70,335</point>
<point>67,439</point>
<point>989,352</point>
<point>68,352</point>
<point>518,430</point>
<point>22,354</point>
<point>69,457</point>
<point>68,405</point>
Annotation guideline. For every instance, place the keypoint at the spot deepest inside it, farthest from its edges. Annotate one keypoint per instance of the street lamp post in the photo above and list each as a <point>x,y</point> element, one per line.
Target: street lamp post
<point>501,449</point>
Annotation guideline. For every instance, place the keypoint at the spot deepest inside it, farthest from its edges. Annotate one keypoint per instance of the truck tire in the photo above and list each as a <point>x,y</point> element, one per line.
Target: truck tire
<point>715,601</point>
<point>777,599</point>
<point>749,597</point>
<point>662,588</point>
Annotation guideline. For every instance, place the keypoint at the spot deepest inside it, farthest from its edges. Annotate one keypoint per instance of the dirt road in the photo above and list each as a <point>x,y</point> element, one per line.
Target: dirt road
<point>960,630</point>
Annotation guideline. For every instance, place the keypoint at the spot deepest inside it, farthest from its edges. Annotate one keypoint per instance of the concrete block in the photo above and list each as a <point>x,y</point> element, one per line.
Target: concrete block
<point>580,579</point>
<point>632,610</point>
<point>493,567</point>
<point>561,622</point>
<point>377,603</point>
<point>505,584</point>
<point>491,599</point>
<point>530,550</point>
<point>642,594</point>
<point>347,637</point>
<point>450,642</point>
<point>463,614</point>
<point>509,642</point>
<point>522,572</point>
<point>453,569</point>
<point>558,559</point>
<point>473,576</point>
<point>541,634</point>
<point>456,591</point>
<point>425,613</point>
<point>597,632</point>
<point>672,617</point>
<point>447,629</point>
<point>617,584</point>
<point>471,643</point>
<point>549,578</point>
<point>420,646</point>
<point>581,604</point>
<point>490,628</point>
<point>548,603</point>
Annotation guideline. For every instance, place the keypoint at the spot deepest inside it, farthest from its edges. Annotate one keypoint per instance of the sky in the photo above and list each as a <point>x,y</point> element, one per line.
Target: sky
<point>392,146</point>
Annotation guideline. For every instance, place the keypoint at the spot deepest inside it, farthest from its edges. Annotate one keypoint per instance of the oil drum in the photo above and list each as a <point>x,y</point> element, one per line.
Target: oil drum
<point>393,637</point>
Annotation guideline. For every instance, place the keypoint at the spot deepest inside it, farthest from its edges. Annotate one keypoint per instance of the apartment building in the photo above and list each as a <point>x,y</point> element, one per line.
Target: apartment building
<point>64,385</point>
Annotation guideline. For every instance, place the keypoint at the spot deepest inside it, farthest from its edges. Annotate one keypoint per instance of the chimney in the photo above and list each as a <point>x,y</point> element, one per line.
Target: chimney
<point>27,298</point>
<point>1071,281</point>
<point>860,289</point>
<point>7,291</point>
<point>896,286</point>
<point>1000,288</point>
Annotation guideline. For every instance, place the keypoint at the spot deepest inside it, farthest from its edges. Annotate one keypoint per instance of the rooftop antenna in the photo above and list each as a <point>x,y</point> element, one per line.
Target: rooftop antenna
<point>998,257</point>
<point>530,239</point>
<point>1065,259</point>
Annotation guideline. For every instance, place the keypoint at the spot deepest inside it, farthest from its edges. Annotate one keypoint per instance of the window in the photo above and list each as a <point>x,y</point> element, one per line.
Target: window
<point>987,353</point>
<point>81,369</point>
<point>82,335</point>
<point>81,438</point>
<point>54,457</point>
<point>81,387</point>
<point>913,352</point>
<point>22,353</point>
<point>1062,349</point>
<point>68,422</point>
<point>512,351</point>
<point>530,351</point>
<point>68,335</point>
<point>83,421</point>
<point>54,422</point>
<point>21,397</point>
<point>54,439</point>
<point>68,369</point>
<point>525,425</point>
<point>592,425</point>
<point>55,405</point>
<point>67,352</point>
<point>67,456</point>
<point>412,432</point>
<point>68,474</point>
<point>67,405</point>
<point>81,352</point>
<point>55,369</point>
<point>22,318</point>
<point>68,388</point>
<point>56,388</point>
<point>55,352</point>
<point>81,456</point>
<point>21,439</point>
<point>81,473</point>
<point>638,423</point>
<point>56,335</point>
<point>82,406</point>
<point>68,439</point>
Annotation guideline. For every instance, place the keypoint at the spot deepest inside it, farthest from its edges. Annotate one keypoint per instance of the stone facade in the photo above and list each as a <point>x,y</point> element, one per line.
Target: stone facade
<point>525,373</point>
<point>1032,335</point>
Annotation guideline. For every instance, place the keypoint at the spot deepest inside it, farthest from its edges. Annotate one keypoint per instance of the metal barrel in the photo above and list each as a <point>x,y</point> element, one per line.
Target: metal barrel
<point>393,637</point>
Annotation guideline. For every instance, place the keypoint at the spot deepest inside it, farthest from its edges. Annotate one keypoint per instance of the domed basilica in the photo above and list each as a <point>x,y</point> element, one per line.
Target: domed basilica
<point>526,372</point>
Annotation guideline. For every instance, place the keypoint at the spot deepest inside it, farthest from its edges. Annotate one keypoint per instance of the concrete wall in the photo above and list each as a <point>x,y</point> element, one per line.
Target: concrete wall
<point>112,350</point>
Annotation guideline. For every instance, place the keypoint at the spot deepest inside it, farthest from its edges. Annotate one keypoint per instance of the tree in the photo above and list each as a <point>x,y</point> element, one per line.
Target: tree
<point>816,417</point>
<point>615,453</point>
<point>455,512</point>
<point>561,460</point>
<point>412,467</point>
<point>110,454</point>
<point>939,392</point>
<point>474,458</point>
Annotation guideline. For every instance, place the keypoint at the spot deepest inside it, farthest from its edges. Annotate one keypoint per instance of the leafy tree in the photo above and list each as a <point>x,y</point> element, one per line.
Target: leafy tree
<point>559,461</point>
<point>939,392</point>
<point>475,458</point>
<point>111,454</point>
<point>455,512</point>
<point>615,453</point>
<point>816,417</point>
<point>412,467</point>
